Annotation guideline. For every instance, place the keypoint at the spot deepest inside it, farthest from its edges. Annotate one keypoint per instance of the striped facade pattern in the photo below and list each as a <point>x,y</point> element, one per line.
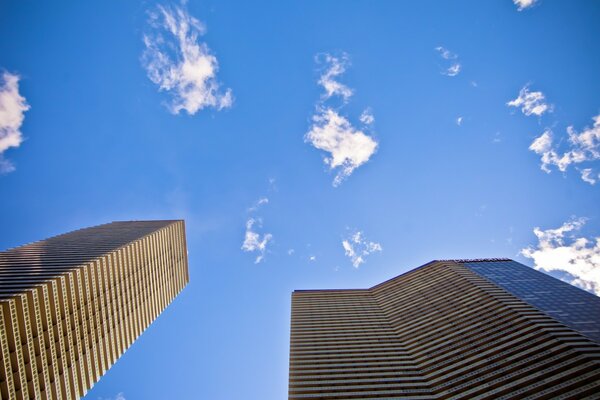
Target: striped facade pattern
<point>72,304</point>
<point>440,331</point>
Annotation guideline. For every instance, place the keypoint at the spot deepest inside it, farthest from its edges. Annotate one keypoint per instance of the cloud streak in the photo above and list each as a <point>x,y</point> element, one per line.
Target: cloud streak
<point>348,147</point>
<point>334,67</point>
<point>180,64</point>
<point>531,103</point>
<point>523,4</point>
<point>357,248</point>
<point>12,115</point>
<point>453,67</point>
<point>253,241</point>
<point>576,257</point>
<point>583,146</point>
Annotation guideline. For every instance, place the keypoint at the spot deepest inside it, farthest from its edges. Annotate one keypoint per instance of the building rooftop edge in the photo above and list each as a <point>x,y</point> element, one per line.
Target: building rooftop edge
<point>458,261</point>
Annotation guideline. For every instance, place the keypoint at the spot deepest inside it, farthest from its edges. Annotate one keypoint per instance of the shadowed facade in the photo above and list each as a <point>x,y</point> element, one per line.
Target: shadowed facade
<point>71,305</point>
<point>451,329</point>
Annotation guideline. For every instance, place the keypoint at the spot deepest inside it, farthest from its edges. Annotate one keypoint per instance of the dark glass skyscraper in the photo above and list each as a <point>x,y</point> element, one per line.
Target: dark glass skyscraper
<point>451,329</point>
<point>72,304</point>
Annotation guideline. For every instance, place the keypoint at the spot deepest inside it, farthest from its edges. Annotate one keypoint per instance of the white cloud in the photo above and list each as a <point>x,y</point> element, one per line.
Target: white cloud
<point>312,258</point>
<point>356,247</point>
<point>260,202</point>
<point>119,396</point>
<point>530,102</point>
<point>446,54</point>
<point>253,242</point>
<point>453,70</point>
<point>367,117</point>
<point>454,66</point>
<point>578,257</point>
<point>459,121</point>
<point>583,147</point>
<point>335,66</point>
<point>291,251</point>
<point>523,4</point>
<point>180,64</point>
<point>12,110</point>
<point>586,176</point>
<point>348,147</point>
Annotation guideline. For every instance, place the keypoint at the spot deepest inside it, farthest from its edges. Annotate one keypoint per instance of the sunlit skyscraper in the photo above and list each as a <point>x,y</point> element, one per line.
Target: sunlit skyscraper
<point>451,329</point>
<point>72,304</point>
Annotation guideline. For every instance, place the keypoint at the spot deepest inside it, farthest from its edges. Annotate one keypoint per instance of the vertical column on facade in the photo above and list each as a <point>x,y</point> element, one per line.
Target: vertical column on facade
<point>64,310</point>
<point>130,277</point>
<point>122,295</point>
<point>42,343</point>
<point>101,307</point>
<point>19,374</point>
<point>135,289</point>
<point>130,293</point>
<point>177,259</point>
<point>139,288</point>
<point>79,357</point>
<point>159,272</point>
<point>184,251</point>
<point>58,387</point>
<point>60,334</point>
<point>109,314</point>
<point>118,289</point>
<point>115,308</point>
<point>166,263</point>
<point>7,388</point>
<point>156,265</point>
<point>143,304</point>
<point>100,331</point>
<point>91,328</point>
<point>87,357</point>
<point>29,353</point>
<point>171,263</point>
<point>151,299</point>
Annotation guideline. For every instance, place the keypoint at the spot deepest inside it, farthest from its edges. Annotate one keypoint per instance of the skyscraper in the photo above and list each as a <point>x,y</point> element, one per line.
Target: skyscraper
<point>72,304</point>
<point>453,329</point>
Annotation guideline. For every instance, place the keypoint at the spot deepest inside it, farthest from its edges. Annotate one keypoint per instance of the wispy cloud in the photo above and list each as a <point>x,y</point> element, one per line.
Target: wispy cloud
<point>577,257</point>
<point>12,114</point>
<point>253,241</point>
<point>260,202</point>
<point>333,68</point>
<point>587,175</point>
<point>348,147</point>
<point>531,103</point>
<point>582,147</point>
<point>179,63</point>
<point>453,66</point>
<point>367,117</point>
<point>523,4</point>
<point>357,248</point>
<point>459,121</point>
<point>119,396</point>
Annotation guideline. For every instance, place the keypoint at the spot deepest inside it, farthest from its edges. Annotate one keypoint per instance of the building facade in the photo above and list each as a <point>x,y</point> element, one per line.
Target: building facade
<point>72,304</point>
<point>451,329</point>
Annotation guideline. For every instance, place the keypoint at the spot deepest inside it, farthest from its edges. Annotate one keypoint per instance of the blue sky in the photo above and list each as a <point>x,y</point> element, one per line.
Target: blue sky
<point>307,145</point>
